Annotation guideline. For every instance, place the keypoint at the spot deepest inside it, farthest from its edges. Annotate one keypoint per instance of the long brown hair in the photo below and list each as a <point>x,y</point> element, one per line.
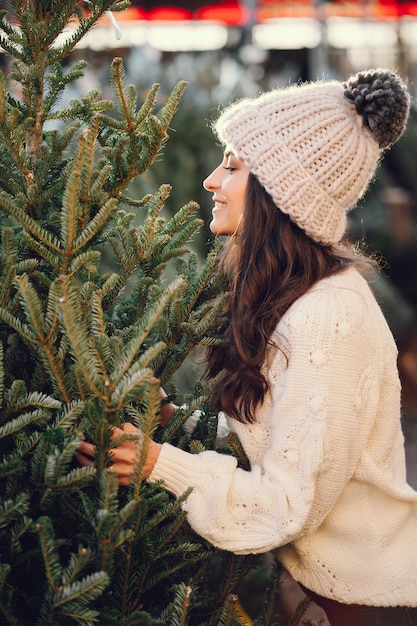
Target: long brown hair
<point>269,263</point>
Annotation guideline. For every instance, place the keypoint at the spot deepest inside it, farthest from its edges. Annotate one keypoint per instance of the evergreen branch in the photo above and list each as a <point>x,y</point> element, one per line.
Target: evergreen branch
<point>187,549</point>
<point>164,513</point>
<point>11,464</point>
<point>9,46</point>
<point>32,307</point>
<point>151,580</point>
<point>142,331</point>
<point>74,322</point>
<point>86,151</point>
<point>18,533</point>
<point>5,605</point>
<point>181,416</point>
<point>63,11</point>
<point>68,598</point>
<point>74,480</point>
<point>166,114</point>
<point>124,249</point>
<point>180,605</point>
<point>126,97</point>
<point>131,511</point>
<point>2,374</point>
<point>70,415</point>
<point>228,615</point>
<point>36,398</point>
<point>98,324</point>
<point>58,463</point>
<point>40,336</point>
<point>13,510</point>
<point>90,106</point>
<point>105,518</point>
<point>84,25</point>
<point>22,421</point>
<point>108,350</point>
<point>71,213</point>
<point>234,568</point>
<point>98,184</point>
<point>145,241</point>
<point>172,249</point>
<point>109,285</point>
<point>54,365</point>
<point>118,82</point>
<point>8,205</point>
<point>207,275</point>
<point>77,563</point>
<point>16,390</point>
<point>48,545</point>
<point>96,224</point>
<point>44,251</point>
<point>57,144</point>
<point>267,614</point>
<point>51,325</point>
<point>180,219</point>
<point>84,260</point>
<point>58,80</point>
<point>237,450</point>
<point>201,320</point>
<point>130,387</point>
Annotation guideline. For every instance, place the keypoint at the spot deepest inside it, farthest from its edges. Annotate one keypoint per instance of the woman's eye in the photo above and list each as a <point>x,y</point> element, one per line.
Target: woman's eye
<point>230,169</point>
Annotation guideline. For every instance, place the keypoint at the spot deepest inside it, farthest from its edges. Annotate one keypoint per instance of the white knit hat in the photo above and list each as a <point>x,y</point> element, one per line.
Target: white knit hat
<point>314,147</point>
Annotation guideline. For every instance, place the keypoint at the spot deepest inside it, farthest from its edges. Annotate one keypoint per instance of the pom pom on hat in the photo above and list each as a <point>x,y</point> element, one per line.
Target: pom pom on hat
<point>314,147</point>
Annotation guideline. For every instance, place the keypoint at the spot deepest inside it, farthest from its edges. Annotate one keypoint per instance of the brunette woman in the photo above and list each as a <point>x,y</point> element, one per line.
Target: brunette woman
<point>308,377</point>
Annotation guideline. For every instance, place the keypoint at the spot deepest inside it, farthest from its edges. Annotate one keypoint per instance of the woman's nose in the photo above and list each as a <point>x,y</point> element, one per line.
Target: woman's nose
<point>212,181</point>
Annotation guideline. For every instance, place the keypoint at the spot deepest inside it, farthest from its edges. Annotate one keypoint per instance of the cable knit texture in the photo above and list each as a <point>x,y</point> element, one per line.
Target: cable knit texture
<point>314,147</point>
<point>327,487</point>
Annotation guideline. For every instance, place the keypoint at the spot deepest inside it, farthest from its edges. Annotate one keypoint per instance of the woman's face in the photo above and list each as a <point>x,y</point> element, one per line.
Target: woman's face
<point>228,184</point>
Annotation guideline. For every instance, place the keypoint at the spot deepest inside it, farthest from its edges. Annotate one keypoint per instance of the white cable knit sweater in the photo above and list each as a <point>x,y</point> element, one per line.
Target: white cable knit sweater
<point>327,486</point>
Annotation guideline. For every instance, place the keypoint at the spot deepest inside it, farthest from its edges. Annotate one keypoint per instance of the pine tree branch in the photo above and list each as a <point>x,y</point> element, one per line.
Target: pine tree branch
<point>70,600</point>
<point>39,335</point>
<point>49,550</point>
<point>8,205</point>
<point>12,510</point>
<point>6,609</point>
<point>77,332</point>
<point>180,605</point>
<point>2,374</point>
<point>142,331</point>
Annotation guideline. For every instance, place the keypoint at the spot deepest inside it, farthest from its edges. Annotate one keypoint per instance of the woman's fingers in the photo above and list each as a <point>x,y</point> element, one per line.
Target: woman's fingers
<point>124,456</point>
<point>82,459</point>
<point>87,449</point>
<point>129,428</point>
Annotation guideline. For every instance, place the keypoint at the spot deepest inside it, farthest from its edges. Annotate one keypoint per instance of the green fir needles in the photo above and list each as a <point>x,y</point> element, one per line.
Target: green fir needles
<point>98,308</point>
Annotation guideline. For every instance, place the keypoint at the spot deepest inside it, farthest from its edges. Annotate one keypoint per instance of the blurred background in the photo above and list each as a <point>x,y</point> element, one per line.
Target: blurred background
<point>227,50</point>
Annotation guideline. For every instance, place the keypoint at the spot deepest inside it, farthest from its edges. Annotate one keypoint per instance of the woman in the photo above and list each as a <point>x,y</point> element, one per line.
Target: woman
<point>308,375</point>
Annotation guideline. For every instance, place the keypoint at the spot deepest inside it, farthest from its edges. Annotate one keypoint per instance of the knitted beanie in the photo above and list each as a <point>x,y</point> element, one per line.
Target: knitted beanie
<point>314,147</point>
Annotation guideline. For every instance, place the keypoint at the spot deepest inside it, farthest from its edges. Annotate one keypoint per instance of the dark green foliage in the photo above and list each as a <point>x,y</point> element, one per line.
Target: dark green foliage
<point>77,355</point>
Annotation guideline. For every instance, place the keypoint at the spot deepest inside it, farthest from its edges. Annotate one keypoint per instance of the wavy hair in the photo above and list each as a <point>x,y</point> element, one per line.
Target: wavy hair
<point>268,264</point>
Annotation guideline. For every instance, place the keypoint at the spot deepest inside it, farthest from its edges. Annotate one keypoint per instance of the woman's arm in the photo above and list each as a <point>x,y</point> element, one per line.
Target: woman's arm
<point>311,427</point>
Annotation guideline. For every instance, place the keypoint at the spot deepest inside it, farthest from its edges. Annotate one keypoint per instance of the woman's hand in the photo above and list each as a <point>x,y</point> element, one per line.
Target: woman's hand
<point>167,410</point>
<point>124,456</point>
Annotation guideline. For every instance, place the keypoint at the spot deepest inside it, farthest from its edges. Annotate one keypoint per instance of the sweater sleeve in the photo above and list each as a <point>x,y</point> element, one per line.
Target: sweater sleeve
<point>309,423</point>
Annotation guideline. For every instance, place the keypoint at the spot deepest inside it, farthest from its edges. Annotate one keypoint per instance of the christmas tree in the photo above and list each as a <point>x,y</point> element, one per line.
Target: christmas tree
<point>83,349</point>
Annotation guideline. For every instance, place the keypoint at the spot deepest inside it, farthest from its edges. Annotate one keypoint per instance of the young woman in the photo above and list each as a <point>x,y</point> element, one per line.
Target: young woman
<point>308,376</point>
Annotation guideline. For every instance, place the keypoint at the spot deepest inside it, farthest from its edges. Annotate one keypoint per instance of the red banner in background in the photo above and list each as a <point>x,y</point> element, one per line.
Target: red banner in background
<point>235,13</point>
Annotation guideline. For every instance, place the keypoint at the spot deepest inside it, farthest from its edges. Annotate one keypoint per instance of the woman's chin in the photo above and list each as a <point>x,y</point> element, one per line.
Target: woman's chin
<point>218,229</point>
